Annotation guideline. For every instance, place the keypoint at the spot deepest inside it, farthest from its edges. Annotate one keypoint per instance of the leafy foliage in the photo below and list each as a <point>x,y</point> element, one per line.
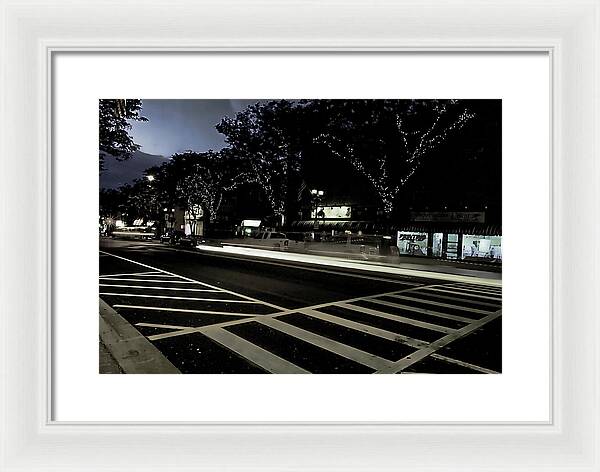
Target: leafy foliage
<point>114,126</point>
<point>112,202</point>
<point>383,142</point>
<point>265,139</point>
<point>204,178</point>
<point>388,141</point>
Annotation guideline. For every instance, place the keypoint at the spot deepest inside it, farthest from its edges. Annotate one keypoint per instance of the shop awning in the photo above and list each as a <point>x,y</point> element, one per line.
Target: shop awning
<point>425,227</point>
<point>307,225</point>
<point>452,228</point>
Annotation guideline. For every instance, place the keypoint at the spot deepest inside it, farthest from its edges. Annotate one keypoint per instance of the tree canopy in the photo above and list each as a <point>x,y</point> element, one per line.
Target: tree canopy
<point>114,125</point>
<point>202,179</point>
<point>265,139</point>
<point>383,144</point>
<point>387,141</point>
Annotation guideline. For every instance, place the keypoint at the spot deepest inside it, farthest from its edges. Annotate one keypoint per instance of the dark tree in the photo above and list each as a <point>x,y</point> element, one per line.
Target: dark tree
<point>203,179</point>
<point>264,137</point>
<point>114,125</point>
<point>142,200</point>
<point>112,202</point>
<point>387,141</point>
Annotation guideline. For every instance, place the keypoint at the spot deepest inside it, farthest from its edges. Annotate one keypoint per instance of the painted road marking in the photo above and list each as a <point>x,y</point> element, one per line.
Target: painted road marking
<point>421,354</point>
<point>163,288</point>
<point>168,297</point>
<point>154,325</point>
<point>364,328</point>
<point>445,305</point>
<point>153,280</point>
<point>418,344</point>
<point>253,353</point>
<point>470,288</point>
<point>421,310</point>
<point>134,273</point>
<point>195,281</point>
<point>402,319</point>
<point>454,291</point>
<point>470,285</point>
<point>349,352</point>
<point>148,274</point>
<point>276,314</point>
<point>273,363</point>
<point>437,296</point>
<point>183,310</point>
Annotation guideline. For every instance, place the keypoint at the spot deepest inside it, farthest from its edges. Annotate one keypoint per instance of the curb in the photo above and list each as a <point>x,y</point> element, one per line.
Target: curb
<point>130,349</point>
<point>474,276</point>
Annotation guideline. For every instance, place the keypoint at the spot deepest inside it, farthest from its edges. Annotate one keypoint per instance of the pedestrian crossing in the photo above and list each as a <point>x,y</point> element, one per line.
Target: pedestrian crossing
<point>393,332</point>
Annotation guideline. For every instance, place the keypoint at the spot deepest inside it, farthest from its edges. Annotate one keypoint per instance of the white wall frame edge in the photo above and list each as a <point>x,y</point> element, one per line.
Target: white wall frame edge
<point>31,441</point>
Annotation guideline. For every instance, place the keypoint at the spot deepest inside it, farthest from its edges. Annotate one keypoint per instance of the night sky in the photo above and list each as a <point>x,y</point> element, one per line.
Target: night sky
<point>173,126</point>
<point>180,125</point>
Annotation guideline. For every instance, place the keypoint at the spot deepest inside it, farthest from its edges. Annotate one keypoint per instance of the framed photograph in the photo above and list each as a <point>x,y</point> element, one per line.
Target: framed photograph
<point>227,191</point>
<point>381,269</point>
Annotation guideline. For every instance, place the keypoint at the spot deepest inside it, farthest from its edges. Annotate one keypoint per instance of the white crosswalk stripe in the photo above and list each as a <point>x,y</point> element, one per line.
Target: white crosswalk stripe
<point>440,304</point>
<point>382,333</point>
<point>323,342</point>
<point>443,290</point>
<point>255,354</point>
<point>422,306</point>
<point>407,307</point>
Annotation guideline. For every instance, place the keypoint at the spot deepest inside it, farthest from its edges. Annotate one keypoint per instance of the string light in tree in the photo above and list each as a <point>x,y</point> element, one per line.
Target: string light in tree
<point>417,143</point>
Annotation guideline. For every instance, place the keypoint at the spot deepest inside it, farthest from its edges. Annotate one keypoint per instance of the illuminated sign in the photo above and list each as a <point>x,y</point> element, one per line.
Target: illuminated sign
<point>413,237</point>
<point>196,213</point>
<point>251,223</point>
<point>333,212</point>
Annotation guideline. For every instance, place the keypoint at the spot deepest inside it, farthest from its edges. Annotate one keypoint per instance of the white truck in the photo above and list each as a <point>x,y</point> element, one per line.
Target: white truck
<point>270,239</point>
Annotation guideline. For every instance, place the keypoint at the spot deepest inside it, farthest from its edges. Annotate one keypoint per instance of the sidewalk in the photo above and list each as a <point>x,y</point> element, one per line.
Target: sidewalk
<point>107,363</point>
<point>123,349</point>
<point>353,252</point>
<point>389,265</point>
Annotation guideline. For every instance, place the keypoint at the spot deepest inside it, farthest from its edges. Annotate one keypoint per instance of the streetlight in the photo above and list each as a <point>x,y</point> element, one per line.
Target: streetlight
<point>317,196</point>
<point>150,178</point>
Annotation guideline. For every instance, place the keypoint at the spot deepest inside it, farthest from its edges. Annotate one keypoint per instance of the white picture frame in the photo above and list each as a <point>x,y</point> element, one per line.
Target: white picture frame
<point>568,30</point>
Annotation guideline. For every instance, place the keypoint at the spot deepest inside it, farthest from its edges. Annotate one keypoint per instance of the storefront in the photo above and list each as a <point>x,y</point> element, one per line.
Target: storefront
<point>476,242</point>
<point>194,221</point>
<point>482,247</point>
<point>462,236</point>
<point>412,243</point>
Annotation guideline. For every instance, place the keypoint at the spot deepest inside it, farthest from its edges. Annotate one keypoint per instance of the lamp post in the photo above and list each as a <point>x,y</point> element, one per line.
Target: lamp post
<point>317,196</point>
<point>152,207</point>
<point>169,216</point>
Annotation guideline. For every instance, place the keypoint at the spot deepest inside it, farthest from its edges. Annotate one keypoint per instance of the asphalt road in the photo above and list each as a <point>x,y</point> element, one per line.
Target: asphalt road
<point>219,313</point>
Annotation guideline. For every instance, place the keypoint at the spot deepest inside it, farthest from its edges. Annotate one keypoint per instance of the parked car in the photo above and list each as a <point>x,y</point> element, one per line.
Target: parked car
<point>172,236</point>
<point>178,238</point>
<point>271,239</point>
<point>188,241</point>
